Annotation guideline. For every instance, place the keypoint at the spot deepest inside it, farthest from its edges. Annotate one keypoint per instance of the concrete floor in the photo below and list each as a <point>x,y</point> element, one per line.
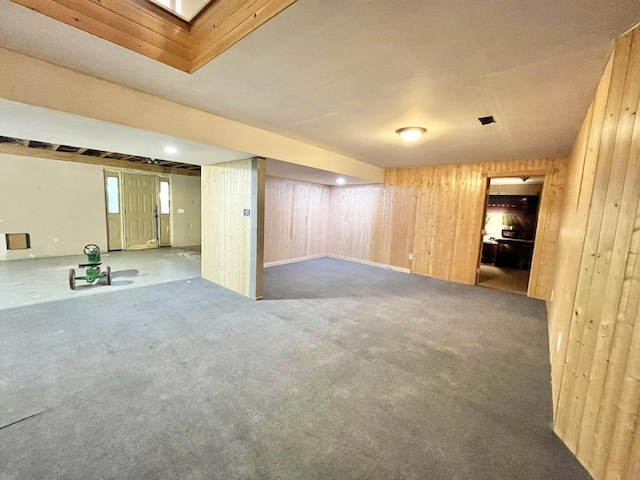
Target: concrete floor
<point>31,281</point>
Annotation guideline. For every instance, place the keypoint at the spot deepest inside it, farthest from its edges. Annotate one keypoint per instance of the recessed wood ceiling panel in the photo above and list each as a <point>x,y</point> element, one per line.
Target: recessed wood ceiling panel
<point>151,31</point>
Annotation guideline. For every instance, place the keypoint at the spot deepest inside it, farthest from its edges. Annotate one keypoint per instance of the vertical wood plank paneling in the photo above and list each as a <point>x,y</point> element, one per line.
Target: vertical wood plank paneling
<point>594,317</point>
<point>395,218</point>
<point>565,326</point>
<point>623,191</point>
<point>227,243</point>
<point>436,214</point>
<point>595,258</point>
<point>352,219</point>
<point>296,219</point>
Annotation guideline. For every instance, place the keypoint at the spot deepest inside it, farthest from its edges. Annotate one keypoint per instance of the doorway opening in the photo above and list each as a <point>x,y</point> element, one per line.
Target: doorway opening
<point>138,210</point>
<point>508,236</point>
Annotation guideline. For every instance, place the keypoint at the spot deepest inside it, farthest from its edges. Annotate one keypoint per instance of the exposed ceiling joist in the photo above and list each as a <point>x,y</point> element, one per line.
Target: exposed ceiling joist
<point>151,31</point>
<point>66,153</point>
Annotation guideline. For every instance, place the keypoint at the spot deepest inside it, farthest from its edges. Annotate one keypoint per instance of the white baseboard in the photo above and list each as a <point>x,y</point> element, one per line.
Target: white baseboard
<point>293,260</point>
<point>373,264</point>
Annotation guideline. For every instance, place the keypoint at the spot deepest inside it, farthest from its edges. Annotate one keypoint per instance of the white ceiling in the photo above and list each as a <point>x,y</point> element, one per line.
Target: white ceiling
<point>44,125</point>
<point>345,75</point>
<point>34,123</point>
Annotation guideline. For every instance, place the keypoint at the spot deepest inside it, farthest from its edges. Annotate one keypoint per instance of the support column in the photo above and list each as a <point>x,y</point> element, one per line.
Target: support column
<point>233,225</point>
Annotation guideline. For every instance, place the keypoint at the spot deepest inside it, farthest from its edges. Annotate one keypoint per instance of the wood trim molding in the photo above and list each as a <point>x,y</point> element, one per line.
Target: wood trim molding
<point>106,162</point>
<point>149,30</point>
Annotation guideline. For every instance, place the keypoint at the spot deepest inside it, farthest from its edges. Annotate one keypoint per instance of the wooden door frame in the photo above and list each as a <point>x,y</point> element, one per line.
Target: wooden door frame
<point>487,183</point>
<point>541,219</point>
<point>168,180</point>
<point>106,174</point>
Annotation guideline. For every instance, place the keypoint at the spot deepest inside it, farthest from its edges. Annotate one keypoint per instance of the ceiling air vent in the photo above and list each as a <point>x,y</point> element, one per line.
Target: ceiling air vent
<point>487,120</point>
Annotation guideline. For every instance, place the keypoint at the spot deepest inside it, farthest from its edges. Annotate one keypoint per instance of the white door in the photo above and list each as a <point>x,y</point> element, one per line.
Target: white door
<point>140,211</point>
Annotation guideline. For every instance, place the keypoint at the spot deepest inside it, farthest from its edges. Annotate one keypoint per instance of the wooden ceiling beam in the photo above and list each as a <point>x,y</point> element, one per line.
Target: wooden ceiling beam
<point>105,162</point>
<point>126,28</point>
<point>147,29</point>
<point>109,26</point>
<point>227,22</point>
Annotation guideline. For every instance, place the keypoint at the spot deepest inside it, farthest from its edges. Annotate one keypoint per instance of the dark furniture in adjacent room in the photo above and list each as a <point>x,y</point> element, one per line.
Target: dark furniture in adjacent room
<point>514,253</point>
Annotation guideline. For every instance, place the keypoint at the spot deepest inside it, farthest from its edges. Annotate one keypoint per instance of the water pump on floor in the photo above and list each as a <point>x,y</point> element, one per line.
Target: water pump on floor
<point>92,272</point>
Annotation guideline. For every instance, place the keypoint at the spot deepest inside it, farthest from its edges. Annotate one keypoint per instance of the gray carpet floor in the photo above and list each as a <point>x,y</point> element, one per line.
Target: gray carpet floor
<point>343,371</point>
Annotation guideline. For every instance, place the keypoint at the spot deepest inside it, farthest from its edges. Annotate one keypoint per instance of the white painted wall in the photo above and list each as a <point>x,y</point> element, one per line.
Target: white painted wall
<point>185,208</point>
<point>50,199</point>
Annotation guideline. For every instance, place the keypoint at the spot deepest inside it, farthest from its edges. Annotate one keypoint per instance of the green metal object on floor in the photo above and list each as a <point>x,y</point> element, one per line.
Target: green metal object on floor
<point>92,268</point>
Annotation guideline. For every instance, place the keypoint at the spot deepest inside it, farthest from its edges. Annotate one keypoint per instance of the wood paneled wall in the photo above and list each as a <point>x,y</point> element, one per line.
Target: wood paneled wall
<point>296,219</point>
<point>395,218</point>
<point>448,223</point>
<point>436,214</point>
<point>433,213</point>
<point>594,317</point>
<point>350,227</point>
<point>231,240</point>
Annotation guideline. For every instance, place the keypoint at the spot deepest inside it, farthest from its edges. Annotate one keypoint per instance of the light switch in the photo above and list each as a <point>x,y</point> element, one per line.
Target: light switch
<point>181,210</point>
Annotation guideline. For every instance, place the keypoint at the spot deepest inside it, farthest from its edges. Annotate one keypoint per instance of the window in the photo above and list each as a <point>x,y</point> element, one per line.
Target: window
<point>113,195</point>
<point>187,10</point>
<point>164,197</point>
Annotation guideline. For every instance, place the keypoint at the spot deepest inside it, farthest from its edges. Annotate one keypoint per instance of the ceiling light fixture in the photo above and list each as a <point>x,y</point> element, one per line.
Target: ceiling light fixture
<point>411,134</point>
<point>340,181</point>
<point>170,150</point>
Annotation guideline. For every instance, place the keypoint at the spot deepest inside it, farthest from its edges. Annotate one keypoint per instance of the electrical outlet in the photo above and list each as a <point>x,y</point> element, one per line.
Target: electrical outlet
<point>411,256</point>
<point>56,240</point>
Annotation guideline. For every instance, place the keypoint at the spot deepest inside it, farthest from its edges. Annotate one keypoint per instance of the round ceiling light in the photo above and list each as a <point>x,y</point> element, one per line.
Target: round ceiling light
<point>411,134</point>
